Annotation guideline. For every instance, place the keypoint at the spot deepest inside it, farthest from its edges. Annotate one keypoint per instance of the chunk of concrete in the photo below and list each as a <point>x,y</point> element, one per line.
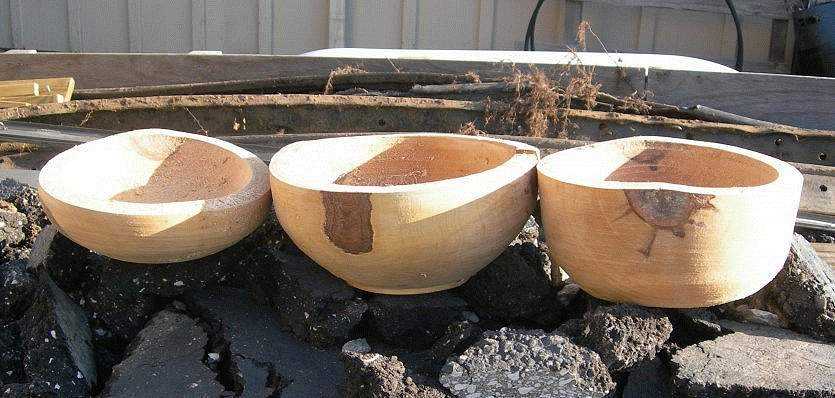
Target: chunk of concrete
<point>803,293</point>
<point>165,360</point>
<point>526,363</point>
<point>375,375</point>
<point>625,335</point>
<point>755,361</point>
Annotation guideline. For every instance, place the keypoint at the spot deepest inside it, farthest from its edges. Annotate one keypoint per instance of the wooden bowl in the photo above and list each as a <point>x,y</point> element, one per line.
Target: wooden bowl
<point>406,213</point>
<point>155,196</point>
<point>667,222</point>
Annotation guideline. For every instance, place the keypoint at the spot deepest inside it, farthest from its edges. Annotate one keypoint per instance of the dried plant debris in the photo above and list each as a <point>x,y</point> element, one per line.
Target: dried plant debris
<point>533,107</point>
<point>470,128</point>
<point>340,71</point>
<point>581,85</point>
<point>539,100</point>
<point>473,76</point>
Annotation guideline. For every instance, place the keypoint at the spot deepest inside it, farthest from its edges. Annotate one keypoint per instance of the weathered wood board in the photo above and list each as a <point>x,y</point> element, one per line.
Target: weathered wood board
<point>794,100</point>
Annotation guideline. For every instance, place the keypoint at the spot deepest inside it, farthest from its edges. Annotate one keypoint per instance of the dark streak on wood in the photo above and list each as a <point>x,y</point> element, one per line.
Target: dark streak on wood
<point>666,210</point>
<point>348,221</point>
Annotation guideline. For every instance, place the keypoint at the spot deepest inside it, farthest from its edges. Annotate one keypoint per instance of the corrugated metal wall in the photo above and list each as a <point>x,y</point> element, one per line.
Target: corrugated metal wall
<point>699,28</point>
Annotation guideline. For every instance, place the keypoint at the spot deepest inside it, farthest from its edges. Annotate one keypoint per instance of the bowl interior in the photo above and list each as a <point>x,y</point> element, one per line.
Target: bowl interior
<point>679,163</point>
<point>390,160</point>
<point>149,168</point>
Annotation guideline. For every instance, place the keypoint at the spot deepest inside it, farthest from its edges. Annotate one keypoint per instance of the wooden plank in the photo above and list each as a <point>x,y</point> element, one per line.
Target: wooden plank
<point>61,85</point>
<point>336,23</point>
<point>122,70</point>
<point>16,88</point>
<point>135,25</point>
<point>573,17</point>
<point>647,26</point>
<point>821,193</point>
<point>74,14</point>
<point>13,102</point>
<point>16,16</point>
<point>198,25</point>
<point>214,25</point>
<point>99,26</point>
<point>779,35</point>
<point>826,251</point>
<point>767,8</point>
<point>300,25</point>
<point>443,24</point>
<point>486,20</point>
<point>622,36</point>
<point>374,23</point>
<point>408,24</point>
<point>265,26</point>
<point>44,25</point>
<point>511,22</point>
<point>162,25</point>
<point>795,100</point>
<point>802,101</point>
<point>6,24</point>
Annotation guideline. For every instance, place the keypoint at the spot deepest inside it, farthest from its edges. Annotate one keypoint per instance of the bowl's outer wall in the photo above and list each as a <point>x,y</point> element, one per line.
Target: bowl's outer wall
<point>731,246</point>
<point>157,239</point>
<point>421,241</point>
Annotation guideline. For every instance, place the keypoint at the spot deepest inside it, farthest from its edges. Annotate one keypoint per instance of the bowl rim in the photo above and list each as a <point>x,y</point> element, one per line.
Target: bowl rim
<point>786,173</point>
<point>523,160</point>
<point>257,185</point>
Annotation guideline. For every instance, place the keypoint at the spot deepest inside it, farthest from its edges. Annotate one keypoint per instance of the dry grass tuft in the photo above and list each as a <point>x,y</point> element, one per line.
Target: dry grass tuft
<point>469,128</point>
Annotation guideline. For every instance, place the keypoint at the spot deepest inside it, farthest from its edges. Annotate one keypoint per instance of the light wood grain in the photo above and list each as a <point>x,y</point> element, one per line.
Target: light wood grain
<point>29,100</point>
<point>404,214</point>
<point>18,88</point>
<point>65,86</point>
<point>155,196</point>
<point>642,220</point>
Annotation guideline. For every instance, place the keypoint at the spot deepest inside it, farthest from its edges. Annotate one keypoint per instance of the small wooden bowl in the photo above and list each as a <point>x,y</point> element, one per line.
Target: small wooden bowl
<point>406,213</point>
<point>667,222</point>
<point>155,196</point>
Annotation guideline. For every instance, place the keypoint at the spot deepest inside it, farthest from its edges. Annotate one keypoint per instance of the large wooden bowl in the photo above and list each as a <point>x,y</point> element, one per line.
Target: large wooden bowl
<point>155,196</point>
<point>406,213</point>
<point>667,222</point>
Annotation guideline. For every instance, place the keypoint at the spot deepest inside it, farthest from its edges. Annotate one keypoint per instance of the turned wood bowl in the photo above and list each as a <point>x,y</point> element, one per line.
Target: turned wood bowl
<point>667,222</point>
<point>405,213</point>
<point>155,196</point>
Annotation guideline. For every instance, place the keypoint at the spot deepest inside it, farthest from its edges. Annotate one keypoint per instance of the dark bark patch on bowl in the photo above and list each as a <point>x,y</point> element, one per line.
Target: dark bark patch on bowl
<point>348,221</point>
<point>665,210</point>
